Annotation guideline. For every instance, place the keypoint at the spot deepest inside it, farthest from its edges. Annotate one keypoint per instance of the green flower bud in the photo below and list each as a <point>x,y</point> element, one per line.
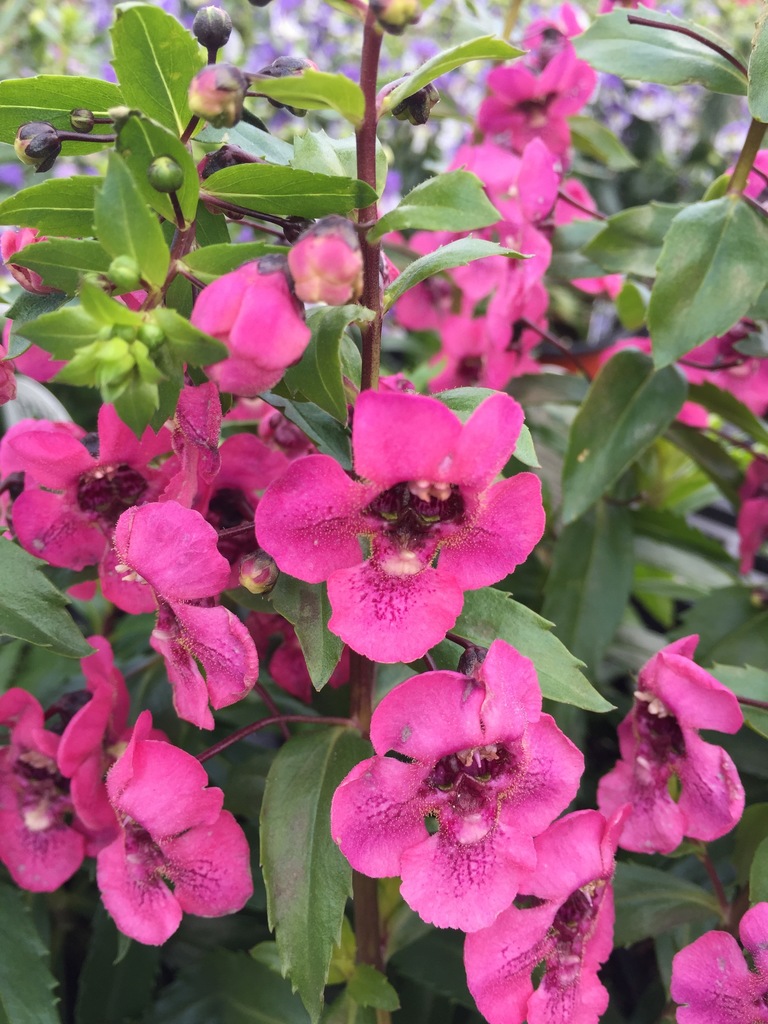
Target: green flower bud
<point>152,335</point>
<point>165,175</point>
<point>394,16</point>
<point>124,272</point>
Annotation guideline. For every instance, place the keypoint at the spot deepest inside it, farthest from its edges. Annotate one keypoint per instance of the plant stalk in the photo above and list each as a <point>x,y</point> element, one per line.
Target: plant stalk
<point>747,156</point>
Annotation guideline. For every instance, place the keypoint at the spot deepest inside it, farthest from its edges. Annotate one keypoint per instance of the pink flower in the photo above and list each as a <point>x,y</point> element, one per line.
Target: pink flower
<point>425,489</point>
<point>658,740</point>
<point>254,313</point>
<point>12,242</point>
<point>712,978</point>
<point>172,829</point>
<point>174,550</point>
<point>568,929</point>
<point>752,520</point>
<point>7,372</point>
<point>38,845</point>
<point>195,438</point>
<point>326,263</point>
<point>484,763</point>
<point>565,213</point>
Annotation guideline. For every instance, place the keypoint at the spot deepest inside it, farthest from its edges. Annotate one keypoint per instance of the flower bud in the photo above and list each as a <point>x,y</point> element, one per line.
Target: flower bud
<point>165,174</point>
<point>152,335</point>
<point>395,15</point>
<point>326,263</point>
<point>82,120</point>
<point>216,93</point>
<point>258,572</point>
<point>225,156</point>
<point>7,382</point>
<point>417,108</point>
<point>284,67</point>
<point>124,272</point>
<point>212,27</point>
<point>12,242</point>
<point>37,144</point>
<point>471,660</point>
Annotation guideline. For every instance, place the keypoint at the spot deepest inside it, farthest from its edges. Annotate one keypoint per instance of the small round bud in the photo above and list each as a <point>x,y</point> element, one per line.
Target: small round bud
<point>217,93</point>
<point>259,3</point>
<point>258,572</point>
<point>124,272</point>
<point>286,67</point>
<point>225,156</point>
<point>471,660</point>
<point>165,175</point>
<point>123,332</point>
<point>82,120</point>
<point>212,27</point>
<point>394,16</point>
<point>152,335</point>
<point>37,144</point>
<point>326,263</point>
<point>417,108</point>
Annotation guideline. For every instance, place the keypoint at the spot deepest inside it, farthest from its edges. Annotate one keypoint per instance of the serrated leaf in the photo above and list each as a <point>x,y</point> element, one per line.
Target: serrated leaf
<point>308,880</point>
<point>630,242</point>
<point>650,902</point>
<point>455,254</point>
<point>307,608</point>
<point>614,45</point>
<point>126,227</point>
<point>751,682</point>
<point>214,260</point>
<point>320,427</point>
<point>711,270</point>
<point>318,374</point>
<point>139,142</point>
<point>52,98</point>
<point>757,93</point>
<point>155,60</point>
<point>627,407</point>
<point>315,90</point>
<point>453,201</point>
<point>590,581</point>
<point>26,982</point>
<point>32,609</point>
<point>59,206</point>
<point>317,151</point>
<point>492,614</point>
<point>251,140</point>
<point>369,987</point>
<point>597,141</point>
<point>62,262</point>
<point>61,333</point>
<point>481,48</point>
<point>136,403</point>
<point>29,306</point>
<point>285,192</point>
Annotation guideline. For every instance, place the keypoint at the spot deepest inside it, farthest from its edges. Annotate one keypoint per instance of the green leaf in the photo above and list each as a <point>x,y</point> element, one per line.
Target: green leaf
<point>308,880</point>
<point>26,982</point>
<point>649,902</point>
<point>758,875</point>
<point>62,262</point>
<point>446,257</point>
<point>614,45</point>
<point>59,206</point>
<point>307,608</point>
<point>344,1010</point>
<point>757,92</point>
<point>314,90</point>
<point>155,60</point>
<point>595,140</point>
<point>481,48</point>
<point>320,427</point>
<point>568,260</point>
<point>750,832</point>
<point>318,374</point>
<point>436,963</point>
<point>188,343</point>
<point>251,140</point>
<point>453,201</point>
<point>125,227</point>
<point>733,630</point>
<point>61,333</point>
<point>285,192</point>
<point>490,614</point>
<point>626,408</point>
<point>139,142</point>
<point>136,404</point>
<point>632,304</point>
<point>711,270</point>
<point>317,151</point>
<point>229,988</point>
<point>591,579</point>
<point>32,609</point>
<point>28,307</point>
<point>711,457</point>
<point>369,987</point>
<point>214,260</point>
<point>52,98</point>
<point>751,682</point>
<point>545,388</point>
<point>729,408</point>
<point>630,242</point>
<point>464,401</point>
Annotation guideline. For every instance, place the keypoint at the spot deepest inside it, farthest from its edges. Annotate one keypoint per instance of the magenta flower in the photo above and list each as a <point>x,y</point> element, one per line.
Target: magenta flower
<point>425,492</point>
<point>38,843</point>
<point>484,763</point>
<point>174,550</point>
<point>12,242</point>
<point>752,520</point>
<point>236,309</point>
<point>712,978</point>
<point>568,929</point>
<point>326,263</point>
<point>658,740</point>
<point>172,829</point>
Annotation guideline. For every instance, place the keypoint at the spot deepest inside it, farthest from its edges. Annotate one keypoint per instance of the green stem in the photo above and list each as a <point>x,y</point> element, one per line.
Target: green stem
<point>747,156</point>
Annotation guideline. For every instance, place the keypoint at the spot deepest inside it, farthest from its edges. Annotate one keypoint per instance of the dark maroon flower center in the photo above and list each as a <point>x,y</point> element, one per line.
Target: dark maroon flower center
<point>413,508</point>
<point>109,492</point>
<point>470,769</point>
<point>661,738</point>
<point>43,791</point>
<point>571,928</point>
<point>230,507</point>
<point>141,848</point>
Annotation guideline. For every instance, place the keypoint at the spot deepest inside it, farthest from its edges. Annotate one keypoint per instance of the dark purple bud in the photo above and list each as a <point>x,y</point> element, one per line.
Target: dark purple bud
<point>212,28</point>
<point>394,16</point>
<point>471,660</point>
<point>82,120</point>
<point>217,93</point>
<point>227,156</point>
<point>284,67</point>
<point>417,108</point>
<point>37,144</point>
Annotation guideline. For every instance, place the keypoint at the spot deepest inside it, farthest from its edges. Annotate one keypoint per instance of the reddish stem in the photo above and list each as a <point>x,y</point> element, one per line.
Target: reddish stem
<point>264,723</point>
<point>634,19</point>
